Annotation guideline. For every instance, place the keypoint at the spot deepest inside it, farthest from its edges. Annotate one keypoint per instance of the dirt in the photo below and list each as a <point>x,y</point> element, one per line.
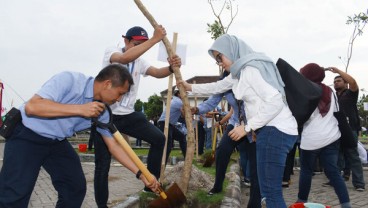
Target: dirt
<point>198,179</point>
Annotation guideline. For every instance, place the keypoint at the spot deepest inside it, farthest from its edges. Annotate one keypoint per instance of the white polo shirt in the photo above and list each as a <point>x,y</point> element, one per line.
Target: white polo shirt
<point>136,68</point>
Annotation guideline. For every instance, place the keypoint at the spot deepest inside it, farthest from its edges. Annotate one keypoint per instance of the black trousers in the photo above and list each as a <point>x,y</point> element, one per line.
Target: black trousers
<point>173,134</point>
<point>135,125</point>
<point>223,153</point>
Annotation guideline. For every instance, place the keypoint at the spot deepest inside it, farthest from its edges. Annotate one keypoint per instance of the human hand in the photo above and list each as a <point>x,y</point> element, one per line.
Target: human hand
<point>159,33</point>
<point>237,133</point>
<point>333,70</point>
<point>194,110</point>
<point>254,136</point>
<point>174,61</point>
<point>92,109</point>
<point>217,124</point>
<point>186,85</point>
<point>153,185</point>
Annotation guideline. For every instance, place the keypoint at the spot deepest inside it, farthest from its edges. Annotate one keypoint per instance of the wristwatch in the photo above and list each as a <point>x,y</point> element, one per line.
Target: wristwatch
<point>247,128</point>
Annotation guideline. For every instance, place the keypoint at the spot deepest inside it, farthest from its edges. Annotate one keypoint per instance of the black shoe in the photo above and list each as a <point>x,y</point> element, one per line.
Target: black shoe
<point>246,182</point>
<point>285,184</point>
<point>360,189</point>
<point>212,192</point>
<point>147,190</point>
<point>346,177</point>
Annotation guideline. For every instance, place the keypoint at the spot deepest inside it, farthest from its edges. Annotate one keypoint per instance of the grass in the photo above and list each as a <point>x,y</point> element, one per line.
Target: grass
<point>144,151</point>
<point>199,196</point>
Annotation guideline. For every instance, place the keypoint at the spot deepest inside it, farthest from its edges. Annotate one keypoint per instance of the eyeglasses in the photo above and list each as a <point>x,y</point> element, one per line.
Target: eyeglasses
<point>218,59</point>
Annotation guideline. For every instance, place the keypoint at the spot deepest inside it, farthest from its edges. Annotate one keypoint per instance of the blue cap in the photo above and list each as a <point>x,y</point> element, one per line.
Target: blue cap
<point>136,33</point>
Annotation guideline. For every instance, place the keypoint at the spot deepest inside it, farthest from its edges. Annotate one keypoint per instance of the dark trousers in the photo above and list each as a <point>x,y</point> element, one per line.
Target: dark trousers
<point>25,153</point>
<point>181,138</point>
<point>135,125</point>
<point>352,163</point>
<point>223,153</point>
<point>289,164</point>
<point>255,194</point>
<point>170,142</point>
<point>201,138</point>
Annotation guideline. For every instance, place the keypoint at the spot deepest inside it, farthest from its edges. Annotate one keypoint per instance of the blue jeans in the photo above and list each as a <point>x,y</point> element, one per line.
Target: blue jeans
<point>272,149</point>
<point>135,125</point>
<point>208,141</point>
<point>328,157</point>
<point>352,162</point>
<point>25,153</point>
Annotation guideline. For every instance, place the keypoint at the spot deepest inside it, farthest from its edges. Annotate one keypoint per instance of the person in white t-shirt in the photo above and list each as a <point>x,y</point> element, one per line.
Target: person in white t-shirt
<point>321,138</point>
<point>128,121</point>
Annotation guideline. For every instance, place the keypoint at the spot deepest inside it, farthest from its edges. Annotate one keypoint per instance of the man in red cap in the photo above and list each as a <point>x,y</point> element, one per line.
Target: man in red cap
<point>125,118</point>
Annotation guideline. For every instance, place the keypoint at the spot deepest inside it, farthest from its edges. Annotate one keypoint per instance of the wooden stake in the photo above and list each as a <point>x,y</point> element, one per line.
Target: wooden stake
<point>184,183</point>
<point>167,118</point>
<point>197,120</point>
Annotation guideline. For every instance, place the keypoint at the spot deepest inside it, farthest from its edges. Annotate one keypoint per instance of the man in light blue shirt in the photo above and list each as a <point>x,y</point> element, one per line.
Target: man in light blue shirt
<point>65,104</point>
<point>175,112</point>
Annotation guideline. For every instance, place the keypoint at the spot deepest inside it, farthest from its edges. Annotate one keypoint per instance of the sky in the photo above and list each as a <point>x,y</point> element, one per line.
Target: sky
<point>39,39</point>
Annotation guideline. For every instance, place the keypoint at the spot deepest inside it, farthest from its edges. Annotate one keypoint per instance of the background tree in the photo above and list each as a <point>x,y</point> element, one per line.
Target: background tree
<point>363,114</point>
<point>359,21</point>
<point>218,28</point>
<point>138,105</point>
<point>153,108</point>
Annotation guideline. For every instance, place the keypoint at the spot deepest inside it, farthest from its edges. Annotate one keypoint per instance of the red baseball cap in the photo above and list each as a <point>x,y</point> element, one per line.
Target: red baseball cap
<point>136,33</point>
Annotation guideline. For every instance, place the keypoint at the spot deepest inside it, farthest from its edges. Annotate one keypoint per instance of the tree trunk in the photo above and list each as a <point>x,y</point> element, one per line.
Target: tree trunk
<point>183,184</point>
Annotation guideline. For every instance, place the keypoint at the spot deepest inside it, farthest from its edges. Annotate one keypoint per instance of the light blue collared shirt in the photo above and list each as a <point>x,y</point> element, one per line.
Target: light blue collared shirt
<point>214,100</point>
<point>176,105</point>
<point>64,88</point>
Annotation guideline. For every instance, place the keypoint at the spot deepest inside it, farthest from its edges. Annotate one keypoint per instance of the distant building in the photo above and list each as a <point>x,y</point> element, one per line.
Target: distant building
<point>191,97</point>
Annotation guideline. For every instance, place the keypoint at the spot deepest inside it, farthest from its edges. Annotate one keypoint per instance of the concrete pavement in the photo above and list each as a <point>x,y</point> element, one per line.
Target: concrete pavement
<point>122,184</point>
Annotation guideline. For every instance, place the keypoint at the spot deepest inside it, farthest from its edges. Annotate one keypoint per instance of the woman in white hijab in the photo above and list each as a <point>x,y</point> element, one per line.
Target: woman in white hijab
<point>256,80</point>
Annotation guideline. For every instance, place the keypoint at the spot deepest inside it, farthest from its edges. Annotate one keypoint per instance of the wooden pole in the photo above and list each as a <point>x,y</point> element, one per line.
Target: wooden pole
<point>196,121</point>
<point>184,183</point>
<point>167,116</point>
<point>119,138</point>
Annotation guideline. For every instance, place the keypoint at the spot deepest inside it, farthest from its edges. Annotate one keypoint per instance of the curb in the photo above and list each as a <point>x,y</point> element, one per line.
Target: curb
<point>233,191</point>
<point>132,201</point>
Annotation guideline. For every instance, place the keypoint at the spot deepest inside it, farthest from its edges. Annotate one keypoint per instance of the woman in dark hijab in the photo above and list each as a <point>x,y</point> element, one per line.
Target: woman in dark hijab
<point>320,138</point>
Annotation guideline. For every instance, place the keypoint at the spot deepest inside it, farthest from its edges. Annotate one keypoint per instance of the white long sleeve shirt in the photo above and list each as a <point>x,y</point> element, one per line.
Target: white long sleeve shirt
<point>264,105</point>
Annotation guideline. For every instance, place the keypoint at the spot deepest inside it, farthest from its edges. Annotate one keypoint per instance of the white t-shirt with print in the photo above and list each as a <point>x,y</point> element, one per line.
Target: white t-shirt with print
<point>137,68</point>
